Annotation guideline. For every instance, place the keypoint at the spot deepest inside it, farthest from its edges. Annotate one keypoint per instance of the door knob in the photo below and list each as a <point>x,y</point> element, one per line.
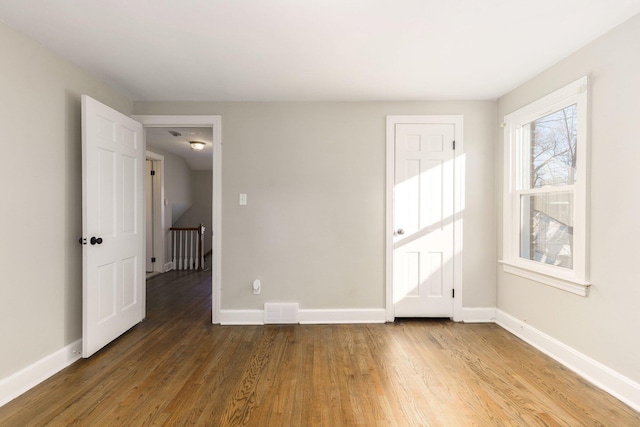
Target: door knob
<point>400,231</point>
<point>95,240</point>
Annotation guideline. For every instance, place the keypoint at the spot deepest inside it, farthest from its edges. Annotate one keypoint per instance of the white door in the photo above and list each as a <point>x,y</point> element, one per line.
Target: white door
<point>148,190</point>
<point>423,220</point>
<point>112,224</point>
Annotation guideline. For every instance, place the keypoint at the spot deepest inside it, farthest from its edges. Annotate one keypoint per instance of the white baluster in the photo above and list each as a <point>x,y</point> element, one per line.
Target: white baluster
<point>181,254</point>
<point>173,237</point>
<point>190,248</point>
<point>202,246</point>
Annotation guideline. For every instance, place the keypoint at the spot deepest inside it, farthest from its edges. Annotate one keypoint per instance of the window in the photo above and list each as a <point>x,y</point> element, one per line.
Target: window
<point>545,189</point>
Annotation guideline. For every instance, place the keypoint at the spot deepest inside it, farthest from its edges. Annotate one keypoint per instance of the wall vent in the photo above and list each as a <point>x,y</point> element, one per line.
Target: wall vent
<point>281,313</point>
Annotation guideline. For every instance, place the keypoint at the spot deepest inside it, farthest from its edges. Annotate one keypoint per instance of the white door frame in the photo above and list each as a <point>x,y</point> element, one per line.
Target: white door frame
<point>215,123</point>
<point>158,208</point>
<point>458,201</point>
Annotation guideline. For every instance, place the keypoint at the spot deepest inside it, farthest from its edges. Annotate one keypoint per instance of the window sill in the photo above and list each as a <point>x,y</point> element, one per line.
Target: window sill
<point>577,288</point>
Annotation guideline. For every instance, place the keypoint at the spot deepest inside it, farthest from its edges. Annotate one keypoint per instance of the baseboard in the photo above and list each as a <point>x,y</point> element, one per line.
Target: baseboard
<point>478,314</point>
<point>242,317</point>
<point>352,315</point>
<point>168,266</point>
<point>614,383</point>
<point>324,316</point>
<point>18,383</point>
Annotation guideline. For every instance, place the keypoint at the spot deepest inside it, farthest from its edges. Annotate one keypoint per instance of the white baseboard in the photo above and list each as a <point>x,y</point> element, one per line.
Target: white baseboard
<point>242,317</point>
<point>478,314</point>
<point>18,383</point>
<point>168,266</point>
<point>614,383</point>
<point>328,316</point>
<point>353,315</point>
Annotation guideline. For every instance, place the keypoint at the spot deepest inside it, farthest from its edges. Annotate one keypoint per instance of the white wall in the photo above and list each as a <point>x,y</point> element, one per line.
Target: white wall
<point>40,189</point>
<point>603,326</point>
<point>314,173</point>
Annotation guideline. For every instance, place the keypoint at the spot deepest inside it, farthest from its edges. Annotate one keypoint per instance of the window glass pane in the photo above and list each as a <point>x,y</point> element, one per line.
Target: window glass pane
<point>548,154</point>
<point>546,228</point>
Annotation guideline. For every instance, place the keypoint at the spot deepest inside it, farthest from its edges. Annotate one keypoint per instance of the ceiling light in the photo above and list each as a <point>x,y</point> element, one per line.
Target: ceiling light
<point>197,145</point>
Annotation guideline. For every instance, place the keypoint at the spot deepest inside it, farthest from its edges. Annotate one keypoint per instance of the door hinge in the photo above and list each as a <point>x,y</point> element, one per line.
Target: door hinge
<point>153,259</point>
<point>453,293</point>
<point>153,173</point>
<point>453,144</point>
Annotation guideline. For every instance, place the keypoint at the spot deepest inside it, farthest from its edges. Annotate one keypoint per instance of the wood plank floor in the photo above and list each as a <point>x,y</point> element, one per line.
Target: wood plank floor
<point>175,368</point>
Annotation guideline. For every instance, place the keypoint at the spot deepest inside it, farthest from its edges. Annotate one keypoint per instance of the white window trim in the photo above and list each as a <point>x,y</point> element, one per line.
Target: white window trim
<point>576,279</point>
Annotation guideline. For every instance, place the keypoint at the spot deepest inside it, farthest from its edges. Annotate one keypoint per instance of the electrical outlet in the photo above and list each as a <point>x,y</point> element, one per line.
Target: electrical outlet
<point>257,287</point>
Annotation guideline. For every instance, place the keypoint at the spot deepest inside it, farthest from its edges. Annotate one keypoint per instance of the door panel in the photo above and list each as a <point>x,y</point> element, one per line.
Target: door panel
<point>423,216</point>
<point>112,210</point>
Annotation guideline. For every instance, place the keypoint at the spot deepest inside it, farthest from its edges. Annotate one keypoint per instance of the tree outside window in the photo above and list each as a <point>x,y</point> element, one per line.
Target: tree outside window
<point>547,224</point>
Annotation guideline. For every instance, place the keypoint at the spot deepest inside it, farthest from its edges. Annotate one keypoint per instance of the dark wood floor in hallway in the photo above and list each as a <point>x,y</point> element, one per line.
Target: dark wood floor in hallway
<point>175,368</point>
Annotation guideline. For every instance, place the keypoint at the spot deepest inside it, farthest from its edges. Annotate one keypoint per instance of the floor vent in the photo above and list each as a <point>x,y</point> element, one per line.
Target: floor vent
<point>280,313</point>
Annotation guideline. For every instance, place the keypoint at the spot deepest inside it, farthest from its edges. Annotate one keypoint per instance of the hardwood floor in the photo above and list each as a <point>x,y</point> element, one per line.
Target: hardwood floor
<point>175,368</point>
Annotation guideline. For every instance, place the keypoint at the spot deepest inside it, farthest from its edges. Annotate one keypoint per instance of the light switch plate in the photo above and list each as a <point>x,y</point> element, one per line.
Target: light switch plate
<point>243,199</point>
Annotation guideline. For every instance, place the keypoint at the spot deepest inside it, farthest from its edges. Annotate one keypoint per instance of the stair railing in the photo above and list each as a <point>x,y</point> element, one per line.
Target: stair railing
<point>188,247</point>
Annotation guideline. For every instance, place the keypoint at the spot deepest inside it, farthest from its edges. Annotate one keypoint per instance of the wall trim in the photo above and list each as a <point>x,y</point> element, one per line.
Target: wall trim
<point>242,317</point>
<point>27,378</point>
<point>614,383</point>
<point>308,316</point>
<point>478,315</point>
<point>337,315</point>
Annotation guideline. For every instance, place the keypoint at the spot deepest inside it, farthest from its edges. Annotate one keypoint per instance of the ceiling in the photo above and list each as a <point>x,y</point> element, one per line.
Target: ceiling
<point>313,50</point>
<point>159,138</point>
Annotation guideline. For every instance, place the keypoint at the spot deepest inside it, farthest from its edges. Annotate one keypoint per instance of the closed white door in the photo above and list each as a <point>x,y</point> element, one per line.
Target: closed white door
<point>113,224</point>
<point>423,220</point>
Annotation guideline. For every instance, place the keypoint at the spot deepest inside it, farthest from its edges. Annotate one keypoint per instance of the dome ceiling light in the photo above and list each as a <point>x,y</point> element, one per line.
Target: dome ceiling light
<point>197,145</point>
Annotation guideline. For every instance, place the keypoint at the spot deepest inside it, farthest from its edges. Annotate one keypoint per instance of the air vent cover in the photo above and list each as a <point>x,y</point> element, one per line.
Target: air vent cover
<point>281,313</point>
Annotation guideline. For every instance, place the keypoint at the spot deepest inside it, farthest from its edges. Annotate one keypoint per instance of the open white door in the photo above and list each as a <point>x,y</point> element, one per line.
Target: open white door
<point>112,224</point>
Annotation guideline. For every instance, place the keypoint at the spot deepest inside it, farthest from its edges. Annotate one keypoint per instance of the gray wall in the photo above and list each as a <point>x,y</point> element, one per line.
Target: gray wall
<point>200,211</point>
<point>314,173</point>
<point>40,189</point>
<point>604,325</point>
<point>178,191</point>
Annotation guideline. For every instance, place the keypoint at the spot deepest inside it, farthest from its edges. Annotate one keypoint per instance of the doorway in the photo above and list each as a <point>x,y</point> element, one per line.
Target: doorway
<point>154,194</point>
<point>215,123</point>
<point>425,171</point>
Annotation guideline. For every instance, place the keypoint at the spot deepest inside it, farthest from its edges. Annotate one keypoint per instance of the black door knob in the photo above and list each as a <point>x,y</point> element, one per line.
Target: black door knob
<point>95,240</point>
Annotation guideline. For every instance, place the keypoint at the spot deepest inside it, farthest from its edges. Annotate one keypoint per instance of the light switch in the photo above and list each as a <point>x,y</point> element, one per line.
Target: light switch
<point>243,199</point>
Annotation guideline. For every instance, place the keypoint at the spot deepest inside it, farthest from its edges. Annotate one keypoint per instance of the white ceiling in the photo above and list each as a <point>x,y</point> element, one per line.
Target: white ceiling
<point>160,138</point>
<point>314,50</point>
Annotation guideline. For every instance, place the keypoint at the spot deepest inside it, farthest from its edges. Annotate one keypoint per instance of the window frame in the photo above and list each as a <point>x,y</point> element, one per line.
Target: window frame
<point>574,280</point>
